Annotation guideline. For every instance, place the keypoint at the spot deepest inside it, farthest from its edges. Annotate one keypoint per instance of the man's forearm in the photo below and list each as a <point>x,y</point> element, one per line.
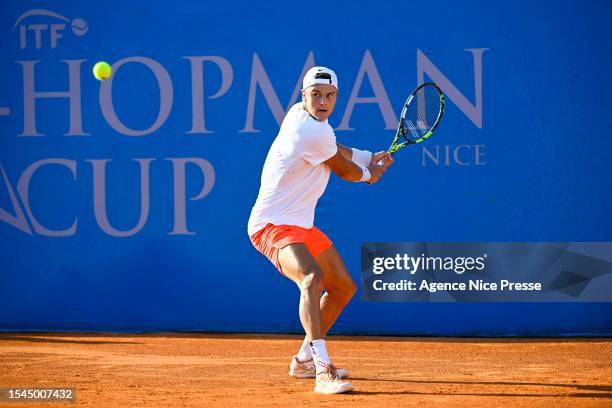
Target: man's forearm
<point>345,168</point>
<point>363,156</point>
<point>350,172</point>
<point>346,152</point>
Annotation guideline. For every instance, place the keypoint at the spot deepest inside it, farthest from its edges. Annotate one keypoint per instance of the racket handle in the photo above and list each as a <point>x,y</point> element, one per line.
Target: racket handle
<point>380,162</point>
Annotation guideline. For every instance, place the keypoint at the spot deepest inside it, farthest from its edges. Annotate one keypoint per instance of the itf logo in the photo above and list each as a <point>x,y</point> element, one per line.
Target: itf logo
<point>46,33</point>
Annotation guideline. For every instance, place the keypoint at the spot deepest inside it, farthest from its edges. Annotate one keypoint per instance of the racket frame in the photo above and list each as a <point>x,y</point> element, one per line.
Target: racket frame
<point>401,129</point>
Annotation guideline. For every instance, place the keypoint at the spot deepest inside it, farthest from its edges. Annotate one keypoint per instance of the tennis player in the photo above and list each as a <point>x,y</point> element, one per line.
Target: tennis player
<point>294,176</point>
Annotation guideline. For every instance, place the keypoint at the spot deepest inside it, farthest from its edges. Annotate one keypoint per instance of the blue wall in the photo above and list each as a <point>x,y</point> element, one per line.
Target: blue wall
<point>527,131</point>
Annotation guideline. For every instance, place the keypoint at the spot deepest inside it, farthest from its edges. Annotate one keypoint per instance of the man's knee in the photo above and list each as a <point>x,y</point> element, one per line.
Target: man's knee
<point>312,278</point>
<point>344,290</point>
<point>349,289</point>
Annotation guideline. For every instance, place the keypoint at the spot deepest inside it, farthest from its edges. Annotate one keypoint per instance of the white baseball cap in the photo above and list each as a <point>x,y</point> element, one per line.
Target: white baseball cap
<point>320,75</point>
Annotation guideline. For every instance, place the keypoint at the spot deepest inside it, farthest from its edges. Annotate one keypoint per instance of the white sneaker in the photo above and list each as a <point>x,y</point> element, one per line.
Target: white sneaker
<point>307,369</point>
<point>328,382</point>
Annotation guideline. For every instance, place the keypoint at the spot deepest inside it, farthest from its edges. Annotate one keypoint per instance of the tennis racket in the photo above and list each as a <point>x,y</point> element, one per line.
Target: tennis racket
<point>420,116</point>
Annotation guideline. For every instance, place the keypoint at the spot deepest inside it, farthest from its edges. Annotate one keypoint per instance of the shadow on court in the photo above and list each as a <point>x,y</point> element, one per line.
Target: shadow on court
<point>579,386</point>
<point>484,394</point>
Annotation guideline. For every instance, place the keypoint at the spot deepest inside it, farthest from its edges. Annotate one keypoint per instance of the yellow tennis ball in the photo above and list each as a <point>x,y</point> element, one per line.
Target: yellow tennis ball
<point>102,71</point>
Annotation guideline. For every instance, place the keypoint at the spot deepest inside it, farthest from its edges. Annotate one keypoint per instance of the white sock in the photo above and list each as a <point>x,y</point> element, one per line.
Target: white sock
<point>319,354</point>
<point>304,354</point>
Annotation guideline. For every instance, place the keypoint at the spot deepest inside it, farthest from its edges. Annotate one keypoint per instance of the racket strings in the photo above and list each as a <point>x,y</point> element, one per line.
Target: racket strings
<point>421,113</point>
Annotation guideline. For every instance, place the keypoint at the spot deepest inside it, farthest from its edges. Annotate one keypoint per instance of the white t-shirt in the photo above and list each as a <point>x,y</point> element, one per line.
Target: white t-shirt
<point>294,176</point>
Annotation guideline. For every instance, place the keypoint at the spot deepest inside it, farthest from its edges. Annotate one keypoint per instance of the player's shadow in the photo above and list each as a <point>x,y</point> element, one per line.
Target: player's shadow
<point>61,340</point>
<point>476,340</point>
<point>606,389</point>
<point>485,394</point>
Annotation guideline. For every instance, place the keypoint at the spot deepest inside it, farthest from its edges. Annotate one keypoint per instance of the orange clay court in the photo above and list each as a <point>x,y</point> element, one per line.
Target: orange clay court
<point>224,370</point>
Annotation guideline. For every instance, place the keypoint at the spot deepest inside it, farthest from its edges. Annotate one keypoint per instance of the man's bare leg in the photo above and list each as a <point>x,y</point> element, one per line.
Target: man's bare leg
<point>338,284</point>
<point>299,266</point>
<point>340,288</point>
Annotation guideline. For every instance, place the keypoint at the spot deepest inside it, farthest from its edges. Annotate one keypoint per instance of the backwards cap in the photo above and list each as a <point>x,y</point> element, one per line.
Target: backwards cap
<point>320,75</point>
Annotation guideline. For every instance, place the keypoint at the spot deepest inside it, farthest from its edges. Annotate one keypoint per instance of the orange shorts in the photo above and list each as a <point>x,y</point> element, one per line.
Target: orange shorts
<point>272,238</point>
